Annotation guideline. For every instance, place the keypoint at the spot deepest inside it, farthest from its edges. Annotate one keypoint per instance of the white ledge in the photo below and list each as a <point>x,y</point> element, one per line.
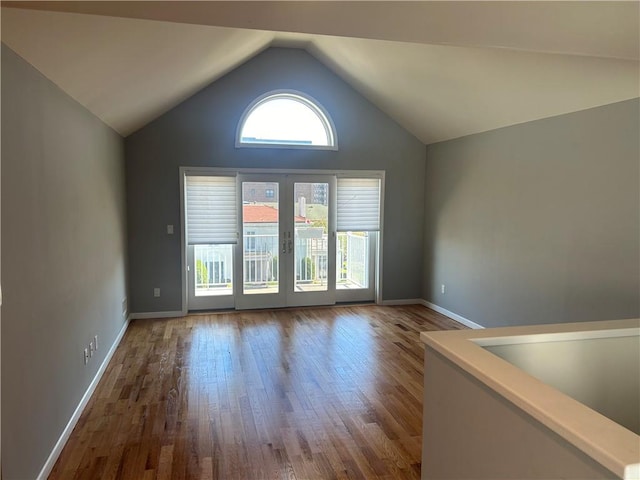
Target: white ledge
<point>608,443</point>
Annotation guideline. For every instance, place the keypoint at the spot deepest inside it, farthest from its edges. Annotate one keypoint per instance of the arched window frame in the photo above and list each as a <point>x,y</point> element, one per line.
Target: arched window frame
<point>298,96</point>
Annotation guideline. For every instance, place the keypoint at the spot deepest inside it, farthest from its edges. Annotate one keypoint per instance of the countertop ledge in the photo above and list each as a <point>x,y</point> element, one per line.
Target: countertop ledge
<point>608,443</point>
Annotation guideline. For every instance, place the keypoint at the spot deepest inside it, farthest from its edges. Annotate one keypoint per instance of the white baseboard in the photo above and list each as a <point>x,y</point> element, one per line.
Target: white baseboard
<point>135,316</point>
<point>406,301</point>
<point>66,433</point>
<point>451,315</point>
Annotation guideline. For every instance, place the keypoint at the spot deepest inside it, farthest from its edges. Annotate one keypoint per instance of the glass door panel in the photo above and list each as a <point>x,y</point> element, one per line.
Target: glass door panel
<point>312,220</point>
<point>260,233</point>
<point>261,249</point>
<point>311,236</point>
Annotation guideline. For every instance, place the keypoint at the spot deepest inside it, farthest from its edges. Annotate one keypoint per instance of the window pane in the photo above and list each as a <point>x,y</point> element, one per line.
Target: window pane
<point>213,270</point>
<point>286,119</point>
<point>311,245</point>
<point>352,263</point>
<point>260,222</point>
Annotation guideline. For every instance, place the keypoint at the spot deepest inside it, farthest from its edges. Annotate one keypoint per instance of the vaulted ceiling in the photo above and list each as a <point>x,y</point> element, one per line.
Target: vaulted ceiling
<point>441,69</point>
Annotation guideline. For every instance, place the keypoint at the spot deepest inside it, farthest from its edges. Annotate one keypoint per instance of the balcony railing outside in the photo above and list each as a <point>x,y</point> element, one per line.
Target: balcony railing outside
<point>352,264</point>
<point>260,263</point>
<point>311,263</point>
<point>214,264</point>
<point>213,269</point>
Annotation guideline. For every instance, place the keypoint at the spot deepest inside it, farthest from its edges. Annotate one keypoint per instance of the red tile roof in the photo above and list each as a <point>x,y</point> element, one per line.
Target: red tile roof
<point>263,214</point>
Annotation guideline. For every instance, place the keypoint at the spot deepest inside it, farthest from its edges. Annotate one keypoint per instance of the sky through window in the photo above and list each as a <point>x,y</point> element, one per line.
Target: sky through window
<point>286,119</point>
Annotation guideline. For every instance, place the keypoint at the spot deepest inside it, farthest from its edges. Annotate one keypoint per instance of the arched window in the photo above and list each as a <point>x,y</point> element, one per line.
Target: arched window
<point>286,119</point>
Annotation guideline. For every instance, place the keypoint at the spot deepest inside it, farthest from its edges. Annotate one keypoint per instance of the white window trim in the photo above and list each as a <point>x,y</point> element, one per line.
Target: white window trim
<point>301,97</point>
<point>216,171</point>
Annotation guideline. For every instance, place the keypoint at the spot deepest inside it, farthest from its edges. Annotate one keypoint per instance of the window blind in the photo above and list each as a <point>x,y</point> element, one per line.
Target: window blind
<point>358,204</point>
<point>211,210</point>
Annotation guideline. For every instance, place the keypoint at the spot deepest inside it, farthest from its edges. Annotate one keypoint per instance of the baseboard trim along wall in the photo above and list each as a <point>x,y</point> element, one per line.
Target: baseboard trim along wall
<point>451,315</point>
<point>406,301</point>
<point>136,316</point>
<point>433,306</point>
<point>57,450</point>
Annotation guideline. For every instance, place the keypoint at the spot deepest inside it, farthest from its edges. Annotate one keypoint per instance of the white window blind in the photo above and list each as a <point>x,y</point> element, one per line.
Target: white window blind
<point>212,217</point>
<point>358,204</point>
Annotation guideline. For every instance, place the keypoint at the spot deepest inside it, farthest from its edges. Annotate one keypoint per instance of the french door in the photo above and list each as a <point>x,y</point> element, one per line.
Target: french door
<point>287,256</point>
<point>264,240</point>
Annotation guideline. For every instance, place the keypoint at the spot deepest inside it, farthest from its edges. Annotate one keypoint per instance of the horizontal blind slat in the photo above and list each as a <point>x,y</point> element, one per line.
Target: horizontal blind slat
<point>211,210</point>
<point>358,204</point>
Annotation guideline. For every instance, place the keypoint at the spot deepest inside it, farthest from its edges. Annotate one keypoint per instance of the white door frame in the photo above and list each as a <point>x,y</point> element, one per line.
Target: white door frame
<point>184,171</point>
<point>327,297</point>
<point>260,300</point>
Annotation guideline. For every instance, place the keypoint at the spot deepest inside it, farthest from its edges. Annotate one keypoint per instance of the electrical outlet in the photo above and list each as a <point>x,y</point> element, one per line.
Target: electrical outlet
<point>156,292</point>
<point>91,348</point>
<point>442,288</point>
<point>86,356</point>
<point>95,342</point>
<point>124,307</point>
<point>170,229</point>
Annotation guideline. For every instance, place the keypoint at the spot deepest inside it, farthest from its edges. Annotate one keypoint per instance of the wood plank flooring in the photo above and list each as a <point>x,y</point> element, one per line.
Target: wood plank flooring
<point>314,393</point>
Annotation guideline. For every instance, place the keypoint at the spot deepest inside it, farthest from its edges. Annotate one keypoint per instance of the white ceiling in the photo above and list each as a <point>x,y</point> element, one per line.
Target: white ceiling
<point>440,69</point>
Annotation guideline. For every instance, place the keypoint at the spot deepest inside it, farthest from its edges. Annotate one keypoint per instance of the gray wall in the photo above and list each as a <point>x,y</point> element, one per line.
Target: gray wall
<point>538,222</point>
<point>63,259</point>
<point>201,132</point>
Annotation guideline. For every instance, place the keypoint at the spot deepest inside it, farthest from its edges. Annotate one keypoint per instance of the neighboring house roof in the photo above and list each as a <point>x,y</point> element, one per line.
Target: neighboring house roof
<point>263,214</point>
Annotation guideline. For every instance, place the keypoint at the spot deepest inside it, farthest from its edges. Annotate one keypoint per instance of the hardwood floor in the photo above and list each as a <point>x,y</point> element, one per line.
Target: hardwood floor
<point>314,393</point>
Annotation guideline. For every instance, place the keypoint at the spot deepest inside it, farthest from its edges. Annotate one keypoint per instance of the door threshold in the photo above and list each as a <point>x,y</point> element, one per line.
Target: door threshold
<point>270,309</point>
